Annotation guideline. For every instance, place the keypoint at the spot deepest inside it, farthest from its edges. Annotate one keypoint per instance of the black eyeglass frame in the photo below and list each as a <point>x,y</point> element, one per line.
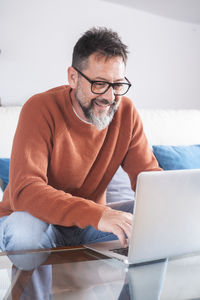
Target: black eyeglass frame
<point>109,84</point>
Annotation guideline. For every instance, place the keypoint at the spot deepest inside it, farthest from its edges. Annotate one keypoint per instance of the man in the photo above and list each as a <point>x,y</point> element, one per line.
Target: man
<point>68,144</point>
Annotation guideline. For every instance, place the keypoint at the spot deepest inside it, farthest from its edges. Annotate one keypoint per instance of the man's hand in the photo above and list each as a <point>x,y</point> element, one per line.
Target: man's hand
<point>117,222</point>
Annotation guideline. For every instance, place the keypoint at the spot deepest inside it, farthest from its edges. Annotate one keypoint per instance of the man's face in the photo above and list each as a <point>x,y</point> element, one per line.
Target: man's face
<point>99,109</point>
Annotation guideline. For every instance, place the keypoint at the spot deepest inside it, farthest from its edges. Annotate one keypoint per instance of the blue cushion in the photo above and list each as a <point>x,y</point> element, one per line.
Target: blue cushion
<point>178,157</point>
<point>4,171</point>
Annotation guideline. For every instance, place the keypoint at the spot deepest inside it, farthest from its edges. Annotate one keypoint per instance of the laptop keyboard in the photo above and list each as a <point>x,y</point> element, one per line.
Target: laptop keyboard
<point>122,251</point>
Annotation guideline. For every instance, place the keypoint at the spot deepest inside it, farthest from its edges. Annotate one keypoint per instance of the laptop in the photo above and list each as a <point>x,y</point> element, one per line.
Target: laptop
<point>166,218</point>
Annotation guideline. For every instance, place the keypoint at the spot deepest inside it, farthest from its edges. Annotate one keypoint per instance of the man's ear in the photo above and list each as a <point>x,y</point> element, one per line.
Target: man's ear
<point>72,77</point>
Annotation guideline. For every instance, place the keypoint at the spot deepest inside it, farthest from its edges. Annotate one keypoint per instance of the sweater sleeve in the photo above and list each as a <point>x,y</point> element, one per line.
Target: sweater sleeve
<point>28,188</point>
<point>139,156</point>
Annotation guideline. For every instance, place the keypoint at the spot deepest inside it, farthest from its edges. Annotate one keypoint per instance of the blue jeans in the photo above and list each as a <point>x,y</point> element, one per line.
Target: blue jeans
<point>22,231</point>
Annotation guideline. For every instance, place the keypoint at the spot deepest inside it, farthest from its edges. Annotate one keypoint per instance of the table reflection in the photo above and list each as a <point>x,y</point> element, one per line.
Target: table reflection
<point>35,284</point>
<point>48,276</point>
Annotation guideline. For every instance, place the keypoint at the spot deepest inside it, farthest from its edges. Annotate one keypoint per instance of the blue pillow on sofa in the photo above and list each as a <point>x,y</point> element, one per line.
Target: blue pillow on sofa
<point>178,157</point>
<point>4,171</point>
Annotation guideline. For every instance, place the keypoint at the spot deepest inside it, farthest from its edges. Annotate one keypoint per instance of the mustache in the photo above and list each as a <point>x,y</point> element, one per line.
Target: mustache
<point>104,101</point>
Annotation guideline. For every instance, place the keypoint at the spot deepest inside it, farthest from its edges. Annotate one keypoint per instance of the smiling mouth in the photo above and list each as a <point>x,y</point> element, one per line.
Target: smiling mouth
<point>102,103</point>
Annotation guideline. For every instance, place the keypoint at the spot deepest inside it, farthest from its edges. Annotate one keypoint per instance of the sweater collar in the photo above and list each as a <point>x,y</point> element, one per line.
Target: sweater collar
<point>72,95</point>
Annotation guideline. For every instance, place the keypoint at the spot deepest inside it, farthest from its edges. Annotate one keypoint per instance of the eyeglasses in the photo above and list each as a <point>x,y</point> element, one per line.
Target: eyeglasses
<point>101,87</point>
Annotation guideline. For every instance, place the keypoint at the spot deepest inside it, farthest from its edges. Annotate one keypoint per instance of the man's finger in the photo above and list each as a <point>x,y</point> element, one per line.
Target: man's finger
<point>121,236</point>
<point>128,217</point>
<point>127,228</point>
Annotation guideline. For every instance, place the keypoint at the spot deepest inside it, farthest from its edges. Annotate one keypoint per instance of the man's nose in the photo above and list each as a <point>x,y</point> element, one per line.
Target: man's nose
<point>109,94</point>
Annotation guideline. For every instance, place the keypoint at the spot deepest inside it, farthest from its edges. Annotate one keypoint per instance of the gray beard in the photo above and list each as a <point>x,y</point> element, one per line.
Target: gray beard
<point>103,119</point>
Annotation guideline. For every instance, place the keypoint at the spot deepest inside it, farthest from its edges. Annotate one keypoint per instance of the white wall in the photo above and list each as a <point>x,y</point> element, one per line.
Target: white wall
<point>37,38</point>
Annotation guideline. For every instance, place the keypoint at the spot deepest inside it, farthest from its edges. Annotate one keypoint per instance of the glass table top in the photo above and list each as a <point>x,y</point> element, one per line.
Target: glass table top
<point>79,273</point>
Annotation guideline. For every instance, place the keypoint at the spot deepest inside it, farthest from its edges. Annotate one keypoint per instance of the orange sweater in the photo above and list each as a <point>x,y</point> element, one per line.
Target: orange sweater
<point>60,166</point>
